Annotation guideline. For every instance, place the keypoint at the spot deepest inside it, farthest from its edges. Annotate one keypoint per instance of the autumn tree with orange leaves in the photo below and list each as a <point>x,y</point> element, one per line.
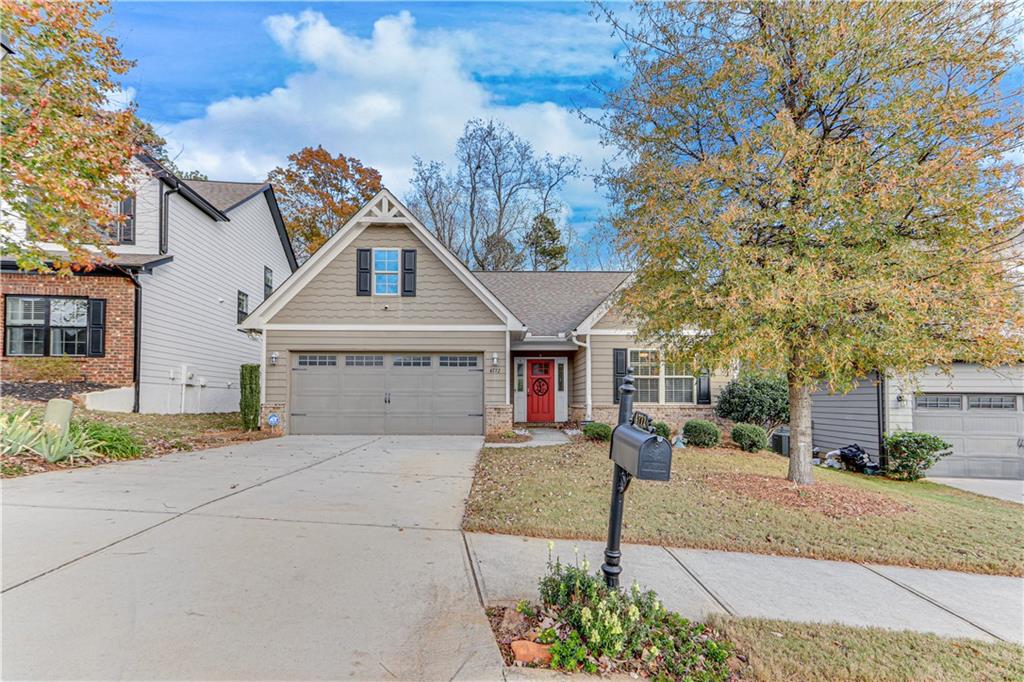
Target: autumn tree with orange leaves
<point>823,189</point>
<point>65,155</point>
<point>318,192</point>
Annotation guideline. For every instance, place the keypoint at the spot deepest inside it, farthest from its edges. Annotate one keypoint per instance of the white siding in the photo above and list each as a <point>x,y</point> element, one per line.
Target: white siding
<point>147,216</point>
<point>968,378</point>
<point>189,306</point>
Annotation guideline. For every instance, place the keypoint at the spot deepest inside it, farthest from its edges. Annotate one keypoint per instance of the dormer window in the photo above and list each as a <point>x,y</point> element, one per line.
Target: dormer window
<point>385,272</point>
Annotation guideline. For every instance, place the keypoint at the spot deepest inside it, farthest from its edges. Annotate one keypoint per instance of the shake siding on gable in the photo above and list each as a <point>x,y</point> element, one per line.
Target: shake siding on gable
<point>189,305</point>
<point>441,298</point>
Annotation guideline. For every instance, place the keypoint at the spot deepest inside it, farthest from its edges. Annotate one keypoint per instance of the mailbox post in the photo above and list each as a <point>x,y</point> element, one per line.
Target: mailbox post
<point>635,451</point>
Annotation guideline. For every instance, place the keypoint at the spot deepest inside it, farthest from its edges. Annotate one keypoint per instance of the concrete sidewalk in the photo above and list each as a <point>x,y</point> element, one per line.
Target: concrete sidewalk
<point>698,582</point>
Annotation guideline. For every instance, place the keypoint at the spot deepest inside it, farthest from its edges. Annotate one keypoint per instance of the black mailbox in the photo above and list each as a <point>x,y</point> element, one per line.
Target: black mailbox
<point>643,454</point>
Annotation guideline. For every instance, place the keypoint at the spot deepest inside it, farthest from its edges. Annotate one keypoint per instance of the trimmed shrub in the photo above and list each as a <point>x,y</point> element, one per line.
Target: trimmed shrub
<point>911,454</point>
<point>57,370</point>
<point>755,399</point>
<point>249,404</point>
<point>662,429</point>
<point>597,431</point>
<point>701,433</point>
<point>750,437</point>
<point>110,441</point>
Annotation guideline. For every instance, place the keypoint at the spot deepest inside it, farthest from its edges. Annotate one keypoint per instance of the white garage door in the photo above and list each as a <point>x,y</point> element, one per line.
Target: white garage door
<point>386,393</point>
<point>985,430</point>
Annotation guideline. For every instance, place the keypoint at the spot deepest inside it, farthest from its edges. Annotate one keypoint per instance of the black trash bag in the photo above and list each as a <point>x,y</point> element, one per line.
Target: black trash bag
<point>855,458</point>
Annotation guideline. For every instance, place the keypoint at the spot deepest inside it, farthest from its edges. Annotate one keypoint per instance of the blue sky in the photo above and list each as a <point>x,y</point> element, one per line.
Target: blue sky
<point>237,86</point>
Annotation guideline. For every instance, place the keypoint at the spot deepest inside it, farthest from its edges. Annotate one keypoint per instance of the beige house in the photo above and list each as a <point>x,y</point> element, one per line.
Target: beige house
<point>384,330</point>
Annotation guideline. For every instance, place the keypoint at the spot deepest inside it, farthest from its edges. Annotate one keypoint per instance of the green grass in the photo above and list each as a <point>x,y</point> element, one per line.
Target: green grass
<point>783,651</point>
<point>563,492</point>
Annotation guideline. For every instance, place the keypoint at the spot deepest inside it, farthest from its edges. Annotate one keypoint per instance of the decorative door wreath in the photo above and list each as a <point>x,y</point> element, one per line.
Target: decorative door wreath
<point>540,387</point>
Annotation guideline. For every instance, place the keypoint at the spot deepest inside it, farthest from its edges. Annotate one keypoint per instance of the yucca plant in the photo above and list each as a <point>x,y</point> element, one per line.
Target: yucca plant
<point>19,433</point>
<point>54,446</point>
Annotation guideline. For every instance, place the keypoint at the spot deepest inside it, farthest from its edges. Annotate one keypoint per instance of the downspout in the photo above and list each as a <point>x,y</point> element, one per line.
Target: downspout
<point>572,337</point>
<point>164,221</point>
<point>137,341</point>
<point>882,405</point>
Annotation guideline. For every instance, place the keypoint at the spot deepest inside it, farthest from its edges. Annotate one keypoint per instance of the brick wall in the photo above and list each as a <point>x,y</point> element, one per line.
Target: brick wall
<point>282,414</point>
<point>115,366</point>
<point>497,418</point>
<point>673,415</point>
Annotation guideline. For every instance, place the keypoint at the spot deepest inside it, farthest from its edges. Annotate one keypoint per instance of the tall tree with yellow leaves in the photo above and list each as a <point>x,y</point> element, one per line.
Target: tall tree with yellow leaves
<point>823,189</point>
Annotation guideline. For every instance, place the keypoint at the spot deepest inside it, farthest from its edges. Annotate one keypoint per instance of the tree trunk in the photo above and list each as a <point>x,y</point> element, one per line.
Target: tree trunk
<point>800,433</point>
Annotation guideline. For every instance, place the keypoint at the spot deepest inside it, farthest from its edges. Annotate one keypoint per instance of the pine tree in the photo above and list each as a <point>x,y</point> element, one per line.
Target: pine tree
<point>544,244</point>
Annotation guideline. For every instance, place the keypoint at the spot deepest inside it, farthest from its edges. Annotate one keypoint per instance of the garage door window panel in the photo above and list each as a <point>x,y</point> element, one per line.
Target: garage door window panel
<point>364,360</point>
<point>992,402</point>
<point>457,361</point>
<point>318,361</point>
<point>938,402</point>
<point>412,361</point>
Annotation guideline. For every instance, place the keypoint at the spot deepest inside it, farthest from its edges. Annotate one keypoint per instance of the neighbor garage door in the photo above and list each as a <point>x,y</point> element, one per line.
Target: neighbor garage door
<point>985,430</point>
<point>386,393</point>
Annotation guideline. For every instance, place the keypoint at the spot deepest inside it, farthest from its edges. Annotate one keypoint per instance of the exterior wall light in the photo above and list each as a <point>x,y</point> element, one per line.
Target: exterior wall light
<point>273,358</point>
<point>494,359</point>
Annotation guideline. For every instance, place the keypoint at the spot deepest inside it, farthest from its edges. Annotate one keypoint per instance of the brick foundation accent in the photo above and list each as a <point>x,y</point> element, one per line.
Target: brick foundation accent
<point>115,366</point>
<point>497,418</point>
<point>280,411</point>
<point>673,415</point>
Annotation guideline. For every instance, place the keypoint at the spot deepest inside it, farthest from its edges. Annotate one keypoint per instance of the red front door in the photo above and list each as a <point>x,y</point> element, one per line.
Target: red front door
<point>540,391</point>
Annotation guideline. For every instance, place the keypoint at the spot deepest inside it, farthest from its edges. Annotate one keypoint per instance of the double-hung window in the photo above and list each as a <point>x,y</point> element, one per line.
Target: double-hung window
<point>42,325</point>
<point>646,366</point>
<point>268,282</point>
<point>123,231</point>
<point>243,306</point>
<point>678,383</point>
<point>385,272</point>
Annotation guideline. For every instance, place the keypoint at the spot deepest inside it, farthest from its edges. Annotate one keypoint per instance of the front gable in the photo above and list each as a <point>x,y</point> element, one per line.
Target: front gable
<point>324,289</point>
<point>331,298</point>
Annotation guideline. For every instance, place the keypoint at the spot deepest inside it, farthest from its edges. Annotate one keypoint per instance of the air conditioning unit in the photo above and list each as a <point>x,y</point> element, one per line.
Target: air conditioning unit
<point>780,441</point>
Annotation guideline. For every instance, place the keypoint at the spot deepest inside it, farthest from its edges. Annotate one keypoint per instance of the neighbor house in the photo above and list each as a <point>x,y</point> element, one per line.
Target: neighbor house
<point>977,410</point>
<point>156,325</point>
<point>385,331</point>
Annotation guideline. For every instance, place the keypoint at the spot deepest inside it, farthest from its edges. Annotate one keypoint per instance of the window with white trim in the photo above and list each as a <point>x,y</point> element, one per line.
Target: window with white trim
<point>679,383</point>
<point>646,366</point>
<point>385,271</point>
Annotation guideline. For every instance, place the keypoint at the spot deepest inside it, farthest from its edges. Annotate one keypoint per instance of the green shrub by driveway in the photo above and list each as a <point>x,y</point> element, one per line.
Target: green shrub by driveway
<point>911,454</point>
<point>111,441</point>
<point>597,431</point>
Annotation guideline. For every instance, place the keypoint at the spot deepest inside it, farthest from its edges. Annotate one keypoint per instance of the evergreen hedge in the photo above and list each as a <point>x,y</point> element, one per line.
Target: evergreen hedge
<point>249,404</point>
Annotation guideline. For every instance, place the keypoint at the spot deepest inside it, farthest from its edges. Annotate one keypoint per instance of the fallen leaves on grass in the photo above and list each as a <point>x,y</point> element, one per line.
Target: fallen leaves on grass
<point>834,501</point>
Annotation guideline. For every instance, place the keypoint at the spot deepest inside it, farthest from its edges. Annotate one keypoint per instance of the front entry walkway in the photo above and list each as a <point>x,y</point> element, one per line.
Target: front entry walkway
<point>294,558</point>
<point>698,582</point>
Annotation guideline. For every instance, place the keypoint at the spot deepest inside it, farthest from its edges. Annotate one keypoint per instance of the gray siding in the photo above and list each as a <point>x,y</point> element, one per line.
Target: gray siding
<point>189,305</point>
<point>286,342</point>
<point>844,419</point>
<point>441,298</point>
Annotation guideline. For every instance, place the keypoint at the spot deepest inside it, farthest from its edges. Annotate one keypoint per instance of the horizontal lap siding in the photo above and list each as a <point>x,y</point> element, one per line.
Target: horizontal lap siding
<point>968,378</point>
<point>441,297</point>
<point>844,419</point>
<point>284,342</point>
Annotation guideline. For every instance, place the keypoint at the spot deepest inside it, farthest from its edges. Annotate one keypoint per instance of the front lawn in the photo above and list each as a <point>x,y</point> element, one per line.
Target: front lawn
<point>779,651</point>
<point>722,498</point>
<point>159,434</point>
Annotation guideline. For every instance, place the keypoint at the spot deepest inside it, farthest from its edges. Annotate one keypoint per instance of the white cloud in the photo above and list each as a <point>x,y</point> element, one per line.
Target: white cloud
<point>382,99</point>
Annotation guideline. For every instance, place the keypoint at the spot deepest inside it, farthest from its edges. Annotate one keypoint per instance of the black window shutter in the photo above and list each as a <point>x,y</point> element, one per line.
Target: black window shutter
<point>618,371</point>
<point>363,272</point>
<point>408,272</point>
<point>97,326</point>
<point>704,388</point>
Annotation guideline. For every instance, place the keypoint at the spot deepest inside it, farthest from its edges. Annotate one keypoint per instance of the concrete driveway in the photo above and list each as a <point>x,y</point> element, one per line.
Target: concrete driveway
<point>300,557</point>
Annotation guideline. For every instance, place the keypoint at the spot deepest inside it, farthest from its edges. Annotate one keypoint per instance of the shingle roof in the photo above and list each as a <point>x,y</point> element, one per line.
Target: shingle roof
<point>551,302</point>
<point>225,195</point>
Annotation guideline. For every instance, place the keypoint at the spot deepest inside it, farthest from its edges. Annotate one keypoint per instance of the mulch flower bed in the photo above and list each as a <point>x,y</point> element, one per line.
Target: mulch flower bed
<point>835,501</point>
<point>41,391</point>
<point>508,437</point>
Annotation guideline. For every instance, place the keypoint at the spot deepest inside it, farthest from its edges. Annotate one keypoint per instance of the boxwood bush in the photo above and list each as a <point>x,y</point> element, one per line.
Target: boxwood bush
<point>597,431</point>
<point>755,399</point>
<point>911,454</point>
<point>662,429</point>
<point>701,433</point>
<point>750,437</point>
